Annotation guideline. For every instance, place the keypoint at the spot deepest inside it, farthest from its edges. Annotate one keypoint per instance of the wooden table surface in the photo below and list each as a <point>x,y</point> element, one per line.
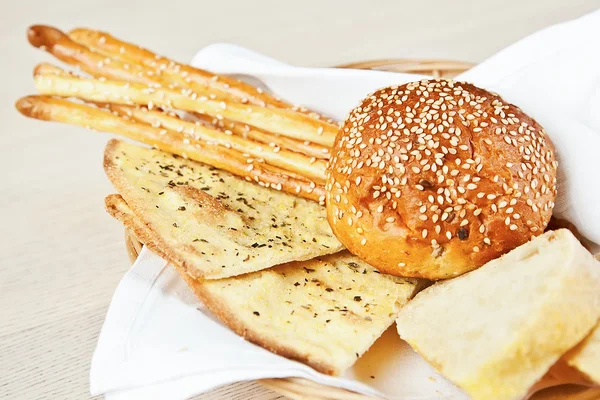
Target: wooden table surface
<point>62,255</point>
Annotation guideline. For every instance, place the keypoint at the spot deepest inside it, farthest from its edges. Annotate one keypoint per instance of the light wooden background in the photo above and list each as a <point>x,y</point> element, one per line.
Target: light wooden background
<point>61,255</point>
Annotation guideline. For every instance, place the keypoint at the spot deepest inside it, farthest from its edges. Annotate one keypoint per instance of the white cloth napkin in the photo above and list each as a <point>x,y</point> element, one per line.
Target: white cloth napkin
<point>158,341</point>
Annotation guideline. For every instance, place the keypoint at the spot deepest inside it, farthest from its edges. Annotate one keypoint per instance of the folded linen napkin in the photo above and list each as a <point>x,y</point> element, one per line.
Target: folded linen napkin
<point>158,341</point>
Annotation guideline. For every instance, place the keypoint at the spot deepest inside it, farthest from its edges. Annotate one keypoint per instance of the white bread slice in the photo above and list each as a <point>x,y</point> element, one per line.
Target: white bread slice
<point>585,357</point>
<point>325,312</point>
<point>496,331</point>
<point>214,224</point>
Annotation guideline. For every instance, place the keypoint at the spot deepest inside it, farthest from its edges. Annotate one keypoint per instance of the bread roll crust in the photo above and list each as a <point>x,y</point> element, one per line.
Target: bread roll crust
<point>434,178</point>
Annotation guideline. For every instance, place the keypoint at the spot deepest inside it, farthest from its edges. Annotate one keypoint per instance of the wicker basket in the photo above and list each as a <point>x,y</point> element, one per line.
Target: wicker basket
<point>303,389</point>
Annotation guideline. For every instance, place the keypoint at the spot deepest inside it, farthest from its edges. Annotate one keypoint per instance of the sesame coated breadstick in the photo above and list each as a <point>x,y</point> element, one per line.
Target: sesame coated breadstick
<point>61,110</point>
<point>285,122</point>
<point>274,156</point>
<point>244,130</point>
<point>108,45</point>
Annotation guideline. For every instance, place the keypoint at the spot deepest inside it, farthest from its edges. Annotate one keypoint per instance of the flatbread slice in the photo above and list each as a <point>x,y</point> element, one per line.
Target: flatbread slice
<point>497,330</point>
<point>325,312</point>
<point>212,223</point>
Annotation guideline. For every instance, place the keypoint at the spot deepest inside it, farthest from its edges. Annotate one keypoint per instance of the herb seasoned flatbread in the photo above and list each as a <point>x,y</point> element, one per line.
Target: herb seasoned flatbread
<point>213,224</point>
<point>325,312</point>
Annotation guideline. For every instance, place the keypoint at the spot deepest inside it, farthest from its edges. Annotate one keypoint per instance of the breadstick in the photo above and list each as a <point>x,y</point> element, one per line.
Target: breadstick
<point>98,65</point>
<point>113,47</point>
<point>278,157</point>
<point>285,122</point>
<point>272,139</point>
<point>61,110</point>
<point>62,47</point>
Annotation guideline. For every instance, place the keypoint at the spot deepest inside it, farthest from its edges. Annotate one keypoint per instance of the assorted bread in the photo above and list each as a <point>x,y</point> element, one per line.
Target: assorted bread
<point>253,200</point>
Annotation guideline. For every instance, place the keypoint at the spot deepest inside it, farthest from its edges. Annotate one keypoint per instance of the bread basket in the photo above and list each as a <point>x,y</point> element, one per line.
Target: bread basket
<point>302,389</point>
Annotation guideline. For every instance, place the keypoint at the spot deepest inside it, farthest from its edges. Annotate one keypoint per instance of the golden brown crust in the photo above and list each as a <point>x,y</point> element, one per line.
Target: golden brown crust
<point>284,122</point>
<point>117,207</point>
<point>435,178</point>
<point>59,110</point>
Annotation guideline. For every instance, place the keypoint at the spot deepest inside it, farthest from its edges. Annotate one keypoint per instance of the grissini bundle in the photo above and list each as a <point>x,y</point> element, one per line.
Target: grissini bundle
<point>60,110</point>
<point>102,55</point>
<point>272,155</point>
<point>284,122</point>
<point>110,66</point>
<point>110,46</point>
<point>228,126</point>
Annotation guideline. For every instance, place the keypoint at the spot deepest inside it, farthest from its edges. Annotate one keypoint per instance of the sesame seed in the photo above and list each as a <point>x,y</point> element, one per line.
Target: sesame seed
<point>420,127</point>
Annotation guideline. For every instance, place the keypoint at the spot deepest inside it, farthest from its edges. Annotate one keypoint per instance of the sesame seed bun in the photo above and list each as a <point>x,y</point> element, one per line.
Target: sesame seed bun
<point>434,178</point>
